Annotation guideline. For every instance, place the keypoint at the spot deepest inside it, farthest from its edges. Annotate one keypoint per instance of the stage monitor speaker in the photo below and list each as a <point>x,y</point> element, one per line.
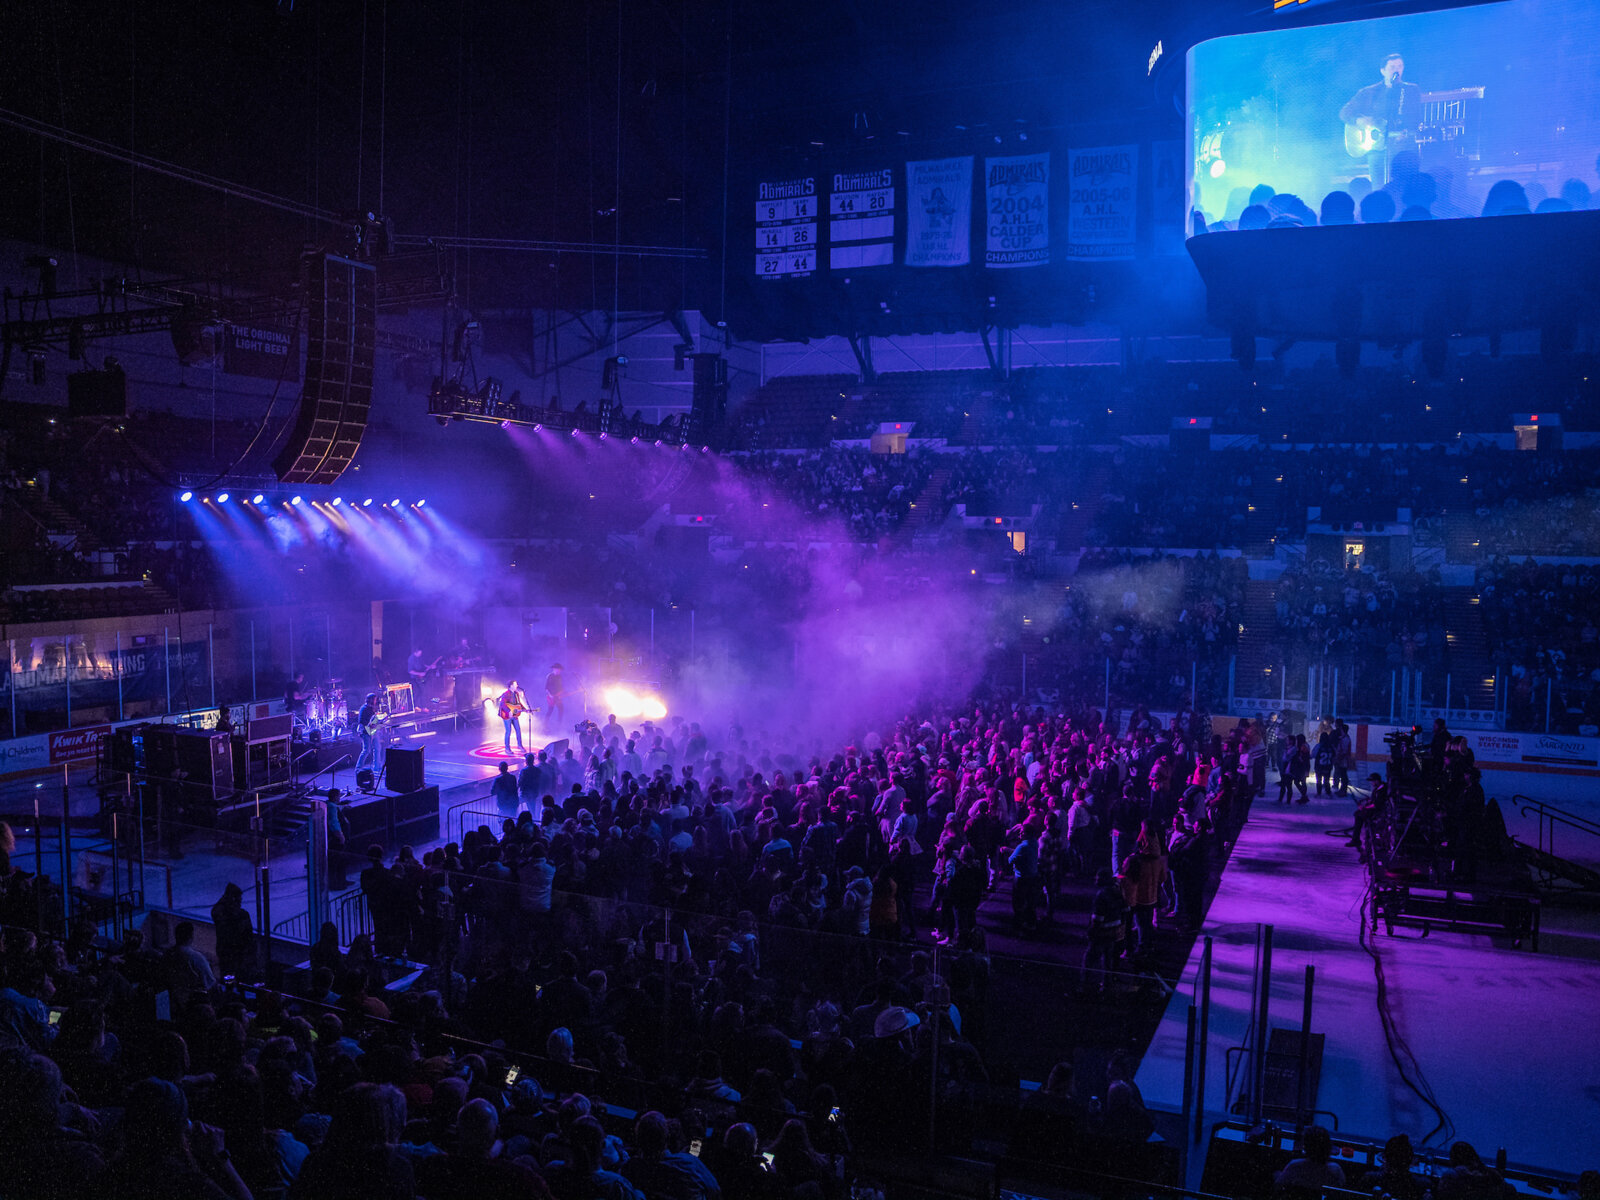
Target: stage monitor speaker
<point>415,816</point>
<point>342,302</point>
<point>98,393</point>
<point>402,769</point>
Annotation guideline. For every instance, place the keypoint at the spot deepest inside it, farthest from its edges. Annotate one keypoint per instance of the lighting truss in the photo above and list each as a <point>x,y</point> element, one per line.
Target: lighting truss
<point>453,402</point>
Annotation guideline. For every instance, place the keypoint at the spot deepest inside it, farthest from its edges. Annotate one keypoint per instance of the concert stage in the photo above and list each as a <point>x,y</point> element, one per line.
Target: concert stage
<point>1504,1036</point>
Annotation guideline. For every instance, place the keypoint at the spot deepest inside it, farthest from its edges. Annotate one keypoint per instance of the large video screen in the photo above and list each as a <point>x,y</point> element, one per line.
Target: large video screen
<point>1462,113</point>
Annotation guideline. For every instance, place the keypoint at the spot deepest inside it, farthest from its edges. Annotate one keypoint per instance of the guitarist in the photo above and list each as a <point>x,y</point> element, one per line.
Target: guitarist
<point>512,704</point>
<point>1383,116</point>
<point>367,722</point>
<point>555,694</point>
<point>419,672</point>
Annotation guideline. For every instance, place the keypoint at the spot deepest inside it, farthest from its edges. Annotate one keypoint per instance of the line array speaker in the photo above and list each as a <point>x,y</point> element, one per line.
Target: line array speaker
<point>342,303</point>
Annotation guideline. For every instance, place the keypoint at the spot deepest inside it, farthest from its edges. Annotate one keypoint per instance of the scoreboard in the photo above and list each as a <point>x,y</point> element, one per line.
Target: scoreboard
<point>786,228</point>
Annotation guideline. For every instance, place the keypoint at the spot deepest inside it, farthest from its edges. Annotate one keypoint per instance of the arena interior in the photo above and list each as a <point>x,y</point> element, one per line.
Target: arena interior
<point>848,601</point>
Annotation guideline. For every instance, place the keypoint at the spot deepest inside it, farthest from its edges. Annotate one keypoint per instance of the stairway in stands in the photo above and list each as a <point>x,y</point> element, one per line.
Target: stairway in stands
<point>1471,664</point>
<point>1261,521</point>
<point>1080,511</point>
<point>1255,643</point>
<point>1460,537</point>
<point>928,509</point>
<point>57,521</point>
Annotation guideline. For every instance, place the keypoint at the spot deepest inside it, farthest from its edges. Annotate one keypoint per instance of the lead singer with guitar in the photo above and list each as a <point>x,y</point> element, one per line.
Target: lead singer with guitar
<point>512,705</point>
<point>1381,119</point>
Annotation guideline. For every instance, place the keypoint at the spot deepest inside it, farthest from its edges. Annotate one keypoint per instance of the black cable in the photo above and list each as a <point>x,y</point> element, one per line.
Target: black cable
<point>1398,1047</point>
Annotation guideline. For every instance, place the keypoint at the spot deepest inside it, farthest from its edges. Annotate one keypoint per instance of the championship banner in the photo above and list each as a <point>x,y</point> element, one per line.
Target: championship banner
<point>861,220</point>
<point>1017,203</point>
<point>263,351</point>
<point>1103,204</point>
<point>939,212</point>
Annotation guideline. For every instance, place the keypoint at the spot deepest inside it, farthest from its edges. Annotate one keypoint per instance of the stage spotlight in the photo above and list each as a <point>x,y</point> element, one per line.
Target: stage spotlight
<point>186,496</point>
<point>1217,168</point>
<point>338,500</point>
<point>296,500</point>
<point>623,702</point>
<point>705,449</point>
<point>652,709</point>
<point>574,433</point>
<point>635,441</point>
<point>257,498</point>
<point>603,435</point>
<point>538,427</point>
<point>367,503</point>
<point>658,441</point>
<point>394,504</point>
<point>222,497</point>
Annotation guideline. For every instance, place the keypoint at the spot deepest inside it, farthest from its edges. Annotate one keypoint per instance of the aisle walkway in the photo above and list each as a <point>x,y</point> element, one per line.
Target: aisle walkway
<point>1507,1038</point>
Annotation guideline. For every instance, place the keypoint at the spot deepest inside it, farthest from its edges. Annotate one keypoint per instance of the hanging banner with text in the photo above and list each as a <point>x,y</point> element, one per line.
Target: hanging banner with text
<point>1017,205</point>
<point>861,220</point>
<point>939,212</point>
<point>1168,211</point>
<point>261,351</point>
<point>1103,202</point>
<point>786,228</point>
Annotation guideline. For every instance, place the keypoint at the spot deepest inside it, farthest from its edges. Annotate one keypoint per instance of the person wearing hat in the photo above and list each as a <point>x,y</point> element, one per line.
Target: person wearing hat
<point>1377,798</point>
<point>235,940</point>
<point>894,1022</point>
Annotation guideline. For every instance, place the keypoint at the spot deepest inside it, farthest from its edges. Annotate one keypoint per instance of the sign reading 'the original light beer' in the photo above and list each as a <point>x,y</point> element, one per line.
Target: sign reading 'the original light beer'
<point>786,228</point>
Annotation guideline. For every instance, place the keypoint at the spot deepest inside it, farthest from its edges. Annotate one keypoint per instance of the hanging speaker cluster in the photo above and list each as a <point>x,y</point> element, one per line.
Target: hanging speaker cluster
<point>342,307</point>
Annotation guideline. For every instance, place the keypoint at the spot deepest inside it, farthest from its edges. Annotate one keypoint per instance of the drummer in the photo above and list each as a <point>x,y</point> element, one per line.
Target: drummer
<point>296,695</point>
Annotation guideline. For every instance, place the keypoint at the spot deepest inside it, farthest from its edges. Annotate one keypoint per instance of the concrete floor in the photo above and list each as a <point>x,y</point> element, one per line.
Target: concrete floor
<point>1507,1038</point>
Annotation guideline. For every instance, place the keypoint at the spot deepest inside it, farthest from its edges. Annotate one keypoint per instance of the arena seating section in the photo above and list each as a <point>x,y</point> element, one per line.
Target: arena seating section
<point>1076,457</point>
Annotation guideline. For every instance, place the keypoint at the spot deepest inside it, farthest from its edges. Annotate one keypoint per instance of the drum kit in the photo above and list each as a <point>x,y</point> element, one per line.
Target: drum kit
<point>327,716</point>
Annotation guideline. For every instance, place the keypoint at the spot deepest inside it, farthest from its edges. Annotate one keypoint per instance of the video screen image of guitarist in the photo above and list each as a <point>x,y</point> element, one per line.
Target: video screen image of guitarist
<point>1435,109</point>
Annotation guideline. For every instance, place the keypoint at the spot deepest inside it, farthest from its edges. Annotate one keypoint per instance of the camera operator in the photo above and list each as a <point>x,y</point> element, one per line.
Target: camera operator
<point>1377,800</point>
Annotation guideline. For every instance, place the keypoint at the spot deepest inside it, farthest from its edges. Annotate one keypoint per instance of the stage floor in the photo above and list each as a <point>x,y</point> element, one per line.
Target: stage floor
<point>472,752</point>
<point>1506,1037</point>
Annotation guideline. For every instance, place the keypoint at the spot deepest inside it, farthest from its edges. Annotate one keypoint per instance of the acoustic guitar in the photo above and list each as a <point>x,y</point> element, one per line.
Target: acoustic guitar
<point>1365,135</point>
